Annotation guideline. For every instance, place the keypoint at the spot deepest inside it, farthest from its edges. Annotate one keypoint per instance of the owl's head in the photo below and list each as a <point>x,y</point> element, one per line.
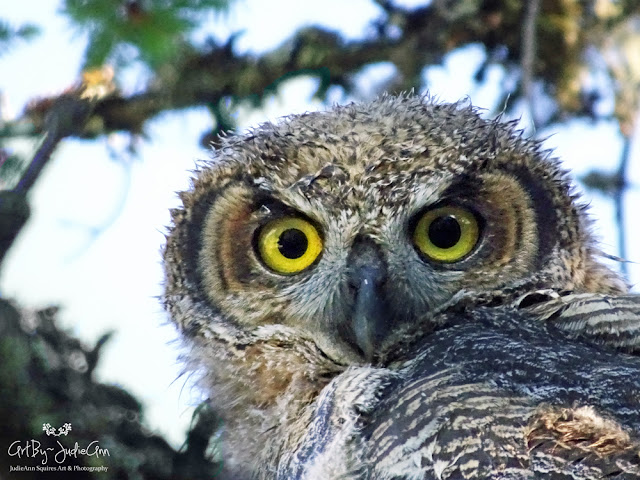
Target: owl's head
<point>339,227</point>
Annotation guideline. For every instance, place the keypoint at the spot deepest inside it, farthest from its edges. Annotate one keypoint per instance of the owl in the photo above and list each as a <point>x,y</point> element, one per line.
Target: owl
<point>402,289</point>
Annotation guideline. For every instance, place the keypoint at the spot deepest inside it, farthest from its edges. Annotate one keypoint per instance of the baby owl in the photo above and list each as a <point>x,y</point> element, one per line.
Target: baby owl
<point>402,289</point>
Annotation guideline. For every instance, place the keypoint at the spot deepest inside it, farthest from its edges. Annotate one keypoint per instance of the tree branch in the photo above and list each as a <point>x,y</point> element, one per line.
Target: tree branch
<point>216,72</point>
<point>66,117</point>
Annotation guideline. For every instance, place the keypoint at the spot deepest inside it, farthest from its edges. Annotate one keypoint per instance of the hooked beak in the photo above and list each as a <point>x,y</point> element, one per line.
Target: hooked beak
<point>370,319</point>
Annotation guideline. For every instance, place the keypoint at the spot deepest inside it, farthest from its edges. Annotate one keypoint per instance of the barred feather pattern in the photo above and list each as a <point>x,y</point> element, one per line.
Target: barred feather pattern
<point>612,320</point>
<point>494,395</point>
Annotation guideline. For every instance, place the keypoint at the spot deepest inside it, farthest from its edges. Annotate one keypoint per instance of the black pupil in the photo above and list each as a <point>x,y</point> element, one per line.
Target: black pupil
<point>444,232</point>
<point>292,243</point>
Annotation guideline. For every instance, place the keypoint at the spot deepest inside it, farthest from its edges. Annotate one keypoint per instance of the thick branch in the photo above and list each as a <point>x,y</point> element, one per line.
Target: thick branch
<point>205,77</point>
<point>66,117</point>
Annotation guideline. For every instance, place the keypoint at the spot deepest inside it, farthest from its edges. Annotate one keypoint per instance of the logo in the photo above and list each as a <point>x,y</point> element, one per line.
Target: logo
<point>53,455</point>
<point>63,430</point>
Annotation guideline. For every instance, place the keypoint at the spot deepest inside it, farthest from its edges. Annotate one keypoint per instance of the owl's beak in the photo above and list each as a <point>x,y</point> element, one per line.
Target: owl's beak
<point>370,315</point>
<point>370,318</point>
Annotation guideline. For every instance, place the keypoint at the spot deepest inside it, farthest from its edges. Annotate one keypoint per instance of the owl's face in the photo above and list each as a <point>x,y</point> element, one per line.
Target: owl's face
<point>348,226</point>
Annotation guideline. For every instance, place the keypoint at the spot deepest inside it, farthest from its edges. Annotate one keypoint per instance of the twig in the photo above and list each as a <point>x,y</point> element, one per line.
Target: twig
<point>621,184</point>
<point>528,56</point>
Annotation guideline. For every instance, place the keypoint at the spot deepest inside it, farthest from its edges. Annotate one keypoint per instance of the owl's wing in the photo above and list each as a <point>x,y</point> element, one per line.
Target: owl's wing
<point>477,431</point>
<point>611,320</point>
<point>494,395</point>
<point>498,395</point>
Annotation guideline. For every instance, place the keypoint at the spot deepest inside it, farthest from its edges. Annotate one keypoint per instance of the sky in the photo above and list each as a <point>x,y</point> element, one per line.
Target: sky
<point>93,242</point>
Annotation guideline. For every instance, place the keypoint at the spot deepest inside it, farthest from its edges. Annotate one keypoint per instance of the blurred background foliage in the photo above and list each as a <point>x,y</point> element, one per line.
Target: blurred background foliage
<point>156,31</point>
<point>563,60</point>
<point>10,34</point>
<point>576,58</point>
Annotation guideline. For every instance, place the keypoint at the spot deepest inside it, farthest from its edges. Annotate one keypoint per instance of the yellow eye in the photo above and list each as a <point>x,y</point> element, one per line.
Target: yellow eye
<point>289,245</point>
<point>446,234</point>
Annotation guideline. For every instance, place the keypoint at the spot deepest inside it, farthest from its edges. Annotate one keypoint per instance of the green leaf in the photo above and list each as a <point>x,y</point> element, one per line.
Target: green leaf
<point>155,28</point>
